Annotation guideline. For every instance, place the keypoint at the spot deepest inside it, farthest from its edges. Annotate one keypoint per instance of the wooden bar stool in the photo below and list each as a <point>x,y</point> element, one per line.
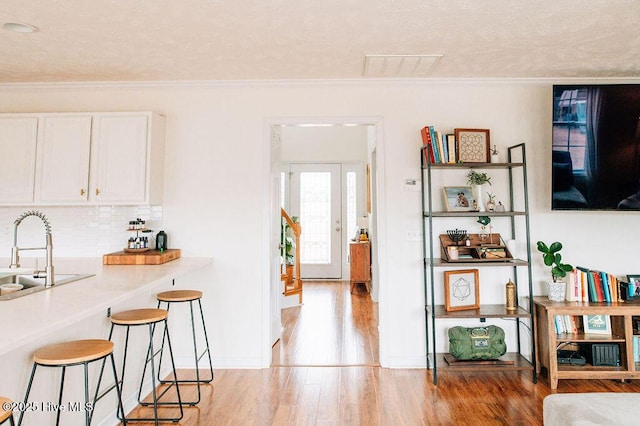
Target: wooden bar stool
<point>5,411</point>
<point>191,296</point>
<point>150,318</point>
<point>68,354</point>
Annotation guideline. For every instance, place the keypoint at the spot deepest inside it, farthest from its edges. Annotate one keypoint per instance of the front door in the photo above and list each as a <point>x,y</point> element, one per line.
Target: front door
<point>316,200</point>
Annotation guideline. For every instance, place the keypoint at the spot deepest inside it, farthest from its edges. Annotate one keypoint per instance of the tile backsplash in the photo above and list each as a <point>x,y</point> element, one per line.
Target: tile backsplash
<point>77,231</point>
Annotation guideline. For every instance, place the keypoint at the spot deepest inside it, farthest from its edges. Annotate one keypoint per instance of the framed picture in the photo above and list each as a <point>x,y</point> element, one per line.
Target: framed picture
<point>461,290</point>
<point>472,145</point>
<point>596,324</point>
<point>634,285</point>
<point>458,198</point>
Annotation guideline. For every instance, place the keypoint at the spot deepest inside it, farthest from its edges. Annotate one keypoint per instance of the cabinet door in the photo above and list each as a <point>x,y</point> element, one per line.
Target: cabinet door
<point>360,261</point>
<point>18,138</point>
<point>120,145</point>
<point>64,159</point>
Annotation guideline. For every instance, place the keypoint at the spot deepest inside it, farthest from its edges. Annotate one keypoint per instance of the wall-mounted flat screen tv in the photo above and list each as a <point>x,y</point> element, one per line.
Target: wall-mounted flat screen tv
<point>596,147</point>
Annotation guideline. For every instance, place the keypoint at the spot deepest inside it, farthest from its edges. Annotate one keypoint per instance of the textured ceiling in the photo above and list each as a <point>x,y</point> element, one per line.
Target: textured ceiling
<point>147,40</point>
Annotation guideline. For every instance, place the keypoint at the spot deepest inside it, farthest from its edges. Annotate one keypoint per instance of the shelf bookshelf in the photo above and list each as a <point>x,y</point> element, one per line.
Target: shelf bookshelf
<point>517,217</point>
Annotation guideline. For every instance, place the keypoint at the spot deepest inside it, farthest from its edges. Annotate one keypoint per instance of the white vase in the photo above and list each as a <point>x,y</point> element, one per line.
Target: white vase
<point>477,196</point>
<point>495,158</point>
<point>556,290</point>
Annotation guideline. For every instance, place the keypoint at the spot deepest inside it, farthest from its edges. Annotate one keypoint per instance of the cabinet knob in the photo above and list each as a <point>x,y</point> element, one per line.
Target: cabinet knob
<point>97,191</point>
<point>82,191</point>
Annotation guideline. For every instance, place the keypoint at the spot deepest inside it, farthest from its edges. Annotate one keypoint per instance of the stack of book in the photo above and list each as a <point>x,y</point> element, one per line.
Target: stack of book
<point>566,324</point>
<point>441,148</point>
<point>588,285</point>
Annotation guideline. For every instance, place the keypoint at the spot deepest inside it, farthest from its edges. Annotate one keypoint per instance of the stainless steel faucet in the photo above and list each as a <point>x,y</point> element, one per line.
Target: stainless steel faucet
<point>15,257</point>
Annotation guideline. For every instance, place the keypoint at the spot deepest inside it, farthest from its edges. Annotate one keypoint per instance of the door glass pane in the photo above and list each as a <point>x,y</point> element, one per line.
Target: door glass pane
<point>315,217</point>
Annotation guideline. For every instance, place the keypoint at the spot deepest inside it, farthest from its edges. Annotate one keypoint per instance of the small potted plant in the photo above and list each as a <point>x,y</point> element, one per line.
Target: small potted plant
<point>476,180</point>
<point>494,155</point>
<point>491,204</point>
<point>552,258</point>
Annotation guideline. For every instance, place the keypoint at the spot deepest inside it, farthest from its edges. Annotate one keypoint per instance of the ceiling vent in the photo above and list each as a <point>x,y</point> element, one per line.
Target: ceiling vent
<point>399,65</point>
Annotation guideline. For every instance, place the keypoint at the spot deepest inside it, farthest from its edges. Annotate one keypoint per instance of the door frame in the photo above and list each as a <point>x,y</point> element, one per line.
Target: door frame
<point>271,324</point>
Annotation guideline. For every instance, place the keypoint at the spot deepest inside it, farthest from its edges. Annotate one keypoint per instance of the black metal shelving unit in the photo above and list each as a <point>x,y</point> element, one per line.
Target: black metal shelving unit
<point>517,213</point>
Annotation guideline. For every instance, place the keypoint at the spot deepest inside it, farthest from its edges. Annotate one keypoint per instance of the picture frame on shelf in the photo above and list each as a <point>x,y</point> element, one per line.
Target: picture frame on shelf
<point>472,145</point>
<point>458,198</point>
<point>596,324</point>
<point>633,285</point>
<point>461,290</point>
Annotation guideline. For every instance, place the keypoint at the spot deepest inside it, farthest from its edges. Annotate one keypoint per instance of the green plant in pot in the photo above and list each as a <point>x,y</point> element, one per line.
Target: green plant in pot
<point>477,179</point>
<point>289,242</point>
<point>553,259</point>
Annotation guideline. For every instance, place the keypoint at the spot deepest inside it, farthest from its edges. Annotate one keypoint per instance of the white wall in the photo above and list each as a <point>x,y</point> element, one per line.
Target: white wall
<point>216,186</point>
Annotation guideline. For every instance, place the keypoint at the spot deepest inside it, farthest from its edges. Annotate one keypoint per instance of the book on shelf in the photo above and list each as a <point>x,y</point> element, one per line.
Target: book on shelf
<point>426,140</point>
<point>590,285</point>
<point>451,144</point>
<point>566,324</point>
<point>441,146</point>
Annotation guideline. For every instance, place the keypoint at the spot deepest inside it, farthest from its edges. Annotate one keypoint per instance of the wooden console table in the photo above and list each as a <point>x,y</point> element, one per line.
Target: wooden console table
<point>622,333</point>
<point>360,264</point>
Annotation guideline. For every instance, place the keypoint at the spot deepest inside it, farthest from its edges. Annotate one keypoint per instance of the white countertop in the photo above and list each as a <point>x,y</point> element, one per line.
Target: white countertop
<point>27,318</point>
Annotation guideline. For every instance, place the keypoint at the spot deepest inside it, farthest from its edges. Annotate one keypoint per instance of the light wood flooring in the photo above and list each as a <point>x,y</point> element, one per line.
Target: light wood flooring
<point>306,391</point>
<point>331,328</point>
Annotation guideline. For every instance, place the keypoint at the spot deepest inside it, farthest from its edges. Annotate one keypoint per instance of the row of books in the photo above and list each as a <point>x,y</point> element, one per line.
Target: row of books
<point>441,146</point>
<point>566,324</point>
<point>592,286</point>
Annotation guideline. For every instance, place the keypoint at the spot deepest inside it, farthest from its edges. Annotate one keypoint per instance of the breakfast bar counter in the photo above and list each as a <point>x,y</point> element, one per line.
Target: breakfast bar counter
<point>31,317</point>
<point>80,310</point>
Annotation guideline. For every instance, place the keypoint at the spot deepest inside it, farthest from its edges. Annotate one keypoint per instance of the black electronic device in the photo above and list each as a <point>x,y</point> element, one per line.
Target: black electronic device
<point>570,358</point>
<point>601,353</point>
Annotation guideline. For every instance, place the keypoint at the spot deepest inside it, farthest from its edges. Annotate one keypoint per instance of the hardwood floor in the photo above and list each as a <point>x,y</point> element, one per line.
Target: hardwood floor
<point>366,394</point>
<point>331,328</point>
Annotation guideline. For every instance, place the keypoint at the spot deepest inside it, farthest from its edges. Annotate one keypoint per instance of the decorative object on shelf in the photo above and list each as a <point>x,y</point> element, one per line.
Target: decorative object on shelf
<point>510,292</point>
<point>552,258</point>
<point>461,290</point>
<point>477,179</point>
<point>494,155</point>
<point>491,204</point>
<point>453,252</point>
<point>457,235</point>
<point>631,289</point>
<point>596,324</point>
<point>476,249</point>
<point>477,342</point>
<point>472,145</point>
<point>484,235</point>
<point>500,207</point>
<point>458,198</point>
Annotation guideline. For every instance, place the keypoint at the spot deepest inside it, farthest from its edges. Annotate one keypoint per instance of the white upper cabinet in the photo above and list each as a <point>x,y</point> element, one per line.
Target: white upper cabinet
<point>63,159</point>
<point>82,158</point>
<point>18,138</point>
<point>128,157</point>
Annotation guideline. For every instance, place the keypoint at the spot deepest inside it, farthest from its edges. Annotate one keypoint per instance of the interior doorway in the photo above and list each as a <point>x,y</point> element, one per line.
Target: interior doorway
<point>328,150</point>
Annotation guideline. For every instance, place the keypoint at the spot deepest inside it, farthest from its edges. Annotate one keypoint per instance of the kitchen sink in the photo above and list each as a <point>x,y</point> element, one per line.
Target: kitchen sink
<point>34,283</point>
